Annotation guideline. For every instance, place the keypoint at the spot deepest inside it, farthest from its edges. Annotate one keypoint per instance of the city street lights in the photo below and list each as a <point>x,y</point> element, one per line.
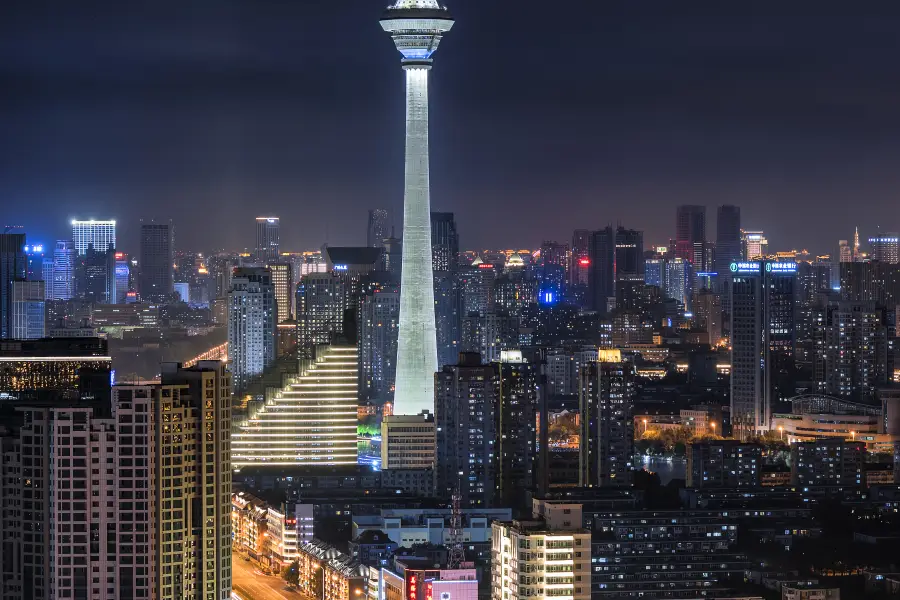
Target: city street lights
<point>853,433</point>
<point>781,432</point>
<point>645,426</point>
<point>713,426</point>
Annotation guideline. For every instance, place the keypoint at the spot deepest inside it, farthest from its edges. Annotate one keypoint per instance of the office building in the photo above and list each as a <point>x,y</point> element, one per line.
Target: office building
<point>378,328</point>
<point>13,266</point>
<point>444,242</point>
<point>63,283</point>
<point>122,278</point>
<point>679,281</point>
<point>754,245</point>
<point>762,339</point>
<point>655,273</point>
<point>27,310</point>
<point>312,421</point>
<point>581,257</point>
<point>408,442</point>
<point>377,229</point>
<point>723,464</point>
<point>156,263</point>
<point>100,234</point>
<point>251,323</point>
<point>447,315</point>
<point>322,299</point>
<point>283,282</point>
<point>95,275</point>
<point>606,399</point>
<point>485,419</point>
<point>417,352</point>
<point>886,248</point>
<point>34,259</point>
<point>728,238</point>
<point>828,462</point>
<point>267,239</point>
<point>629,261</point>
<point>546,557</point>
<point>476,284</point>
<point>352,264</point>
<point>690,235</point>
<point>602,270</point>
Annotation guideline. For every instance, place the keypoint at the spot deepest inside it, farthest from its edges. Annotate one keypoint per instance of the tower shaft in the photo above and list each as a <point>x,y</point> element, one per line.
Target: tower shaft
<point>417,344</point>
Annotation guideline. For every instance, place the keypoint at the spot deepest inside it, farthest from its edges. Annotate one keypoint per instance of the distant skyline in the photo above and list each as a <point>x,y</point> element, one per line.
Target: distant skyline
<point>213,112</point>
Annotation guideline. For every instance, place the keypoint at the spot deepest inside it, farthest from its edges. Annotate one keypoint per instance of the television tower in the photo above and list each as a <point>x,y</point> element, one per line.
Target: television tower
<point>416,27</point>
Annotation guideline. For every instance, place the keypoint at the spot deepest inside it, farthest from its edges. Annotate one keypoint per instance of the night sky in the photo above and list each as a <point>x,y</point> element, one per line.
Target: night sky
<point>546,116</point>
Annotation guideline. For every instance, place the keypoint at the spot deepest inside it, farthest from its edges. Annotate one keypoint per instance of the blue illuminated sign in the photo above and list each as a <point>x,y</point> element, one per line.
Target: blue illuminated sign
<point>122,270</point>
<point>707,274</point>
<point>340,267</point>
<point>745,267</point>
<point>547,297</point>
<point>781,267</point>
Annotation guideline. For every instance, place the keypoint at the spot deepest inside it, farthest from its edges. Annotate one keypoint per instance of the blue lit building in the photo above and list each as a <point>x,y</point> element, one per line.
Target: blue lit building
<point>762,339</point>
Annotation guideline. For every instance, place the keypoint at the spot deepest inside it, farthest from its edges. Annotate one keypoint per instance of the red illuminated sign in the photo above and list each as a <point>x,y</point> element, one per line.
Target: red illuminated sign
<point>584,262</point>
<point>429,591</point>
<point>412,587</point>
<point>485,266</point>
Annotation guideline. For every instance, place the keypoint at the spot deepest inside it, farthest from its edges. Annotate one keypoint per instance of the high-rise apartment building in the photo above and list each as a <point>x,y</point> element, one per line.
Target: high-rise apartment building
<point>546,557</point>
<point>606,399</point>
<point>312,421</point>
<point>267,239</point>
<point>63,283</point>
<point>321,301</point>
<point>27,310</point>
<point>563,369</point>
<point>708,314</point>
<point>283,282</point>
<point>886,248</point>
<point>100,234</point>
<point>157,260</point>
<point>855,351</point>
<point>762,338</point>
<point>678,282</point>
<point>251,323</point>
<point>377,328</point>
<point>13,266</point>
<point>447,298</point>
<point>690,235</point>
<point>485,419</point>
<point>377,229</point>
<point>581,257</point>
<point>128,498</point>
<point>489,333</point>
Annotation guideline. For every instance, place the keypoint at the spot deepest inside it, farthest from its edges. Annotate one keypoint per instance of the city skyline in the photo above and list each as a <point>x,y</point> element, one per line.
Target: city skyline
<point>764,122</point>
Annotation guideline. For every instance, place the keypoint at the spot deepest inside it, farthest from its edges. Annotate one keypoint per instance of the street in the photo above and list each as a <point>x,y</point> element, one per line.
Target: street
<point>249,583</point>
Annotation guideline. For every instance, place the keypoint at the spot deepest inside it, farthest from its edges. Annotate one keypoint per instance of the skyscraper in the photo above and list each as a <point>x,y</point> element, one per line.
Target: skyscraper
<point>95,275</point>
<point>416,27</point>
<point>629,254</point>
<point>321,301</point>
<point>27,306</point>
<point>157,276</point>
<point>283,280</point>
<point>602,269</point>
<point>690,234</point>
<point>102,234</point>
<point>581,257</point>
<point>13,265</point>
<point>267,239</point>
<point>63,270</point>
<point>444,242</point>
<point>377,326</point>
<point>606,400</point>
<point>754,245</point>
<point>855,351</point>
<point>762,339</point>
<point>251,323</point>
<point>728,238</point>
<point>377,230</point>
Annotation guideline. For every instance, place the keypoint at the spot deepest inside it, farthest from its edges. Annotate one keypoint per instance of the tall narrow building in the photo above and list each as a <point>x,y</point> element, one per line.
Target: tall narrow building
<point>267,239</point>
<point>13,265</point>
<point>157,260</point>
<point>63,283</point>
<point>377,230</point>
<point>251,323</point>
<point>690,234</point>
<point>416,27</point>
<point>100,234</point>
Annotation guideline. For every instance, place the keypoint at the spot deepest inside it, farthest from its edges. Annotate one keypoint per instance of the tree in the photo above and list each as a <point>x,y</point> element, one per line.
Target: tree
<point>291,574</point>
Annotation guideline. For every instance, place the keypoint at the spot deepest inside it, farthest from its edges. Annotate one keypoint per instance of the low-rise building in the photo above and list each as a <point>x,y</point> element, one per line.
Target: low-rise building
<point>803,591</point>
<point>326,573</point>
<point>249,523</point>
<point>723,463</point>
<point>828,462</point>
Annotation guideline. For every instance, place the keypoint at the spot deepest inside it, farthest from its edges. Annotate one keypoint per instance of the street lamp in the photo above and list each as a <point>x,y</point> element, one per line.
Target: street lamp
<point>713,426</point>
<point>853,433</point>
<point>645,426</point>
<point>781,432</point>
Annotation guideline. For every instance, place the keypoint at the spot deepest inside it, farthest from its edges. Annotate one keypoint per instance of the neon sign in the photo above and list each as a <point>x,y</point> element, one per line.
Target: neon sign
<point>340,267</point>
<point>781,267</point>
<point>745,267</point>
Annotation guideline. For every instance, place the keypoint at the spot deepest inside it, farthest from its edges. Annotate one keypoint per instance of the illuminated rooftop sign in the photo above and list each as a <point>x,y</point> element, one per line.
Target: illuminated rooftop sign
<point>781,267</point>
<point>745,267</point>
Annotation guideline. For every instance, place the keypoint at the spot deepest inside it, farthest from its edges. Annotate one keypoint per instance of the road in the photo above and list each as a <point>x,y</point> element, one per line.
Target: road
<point>250,584</point>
